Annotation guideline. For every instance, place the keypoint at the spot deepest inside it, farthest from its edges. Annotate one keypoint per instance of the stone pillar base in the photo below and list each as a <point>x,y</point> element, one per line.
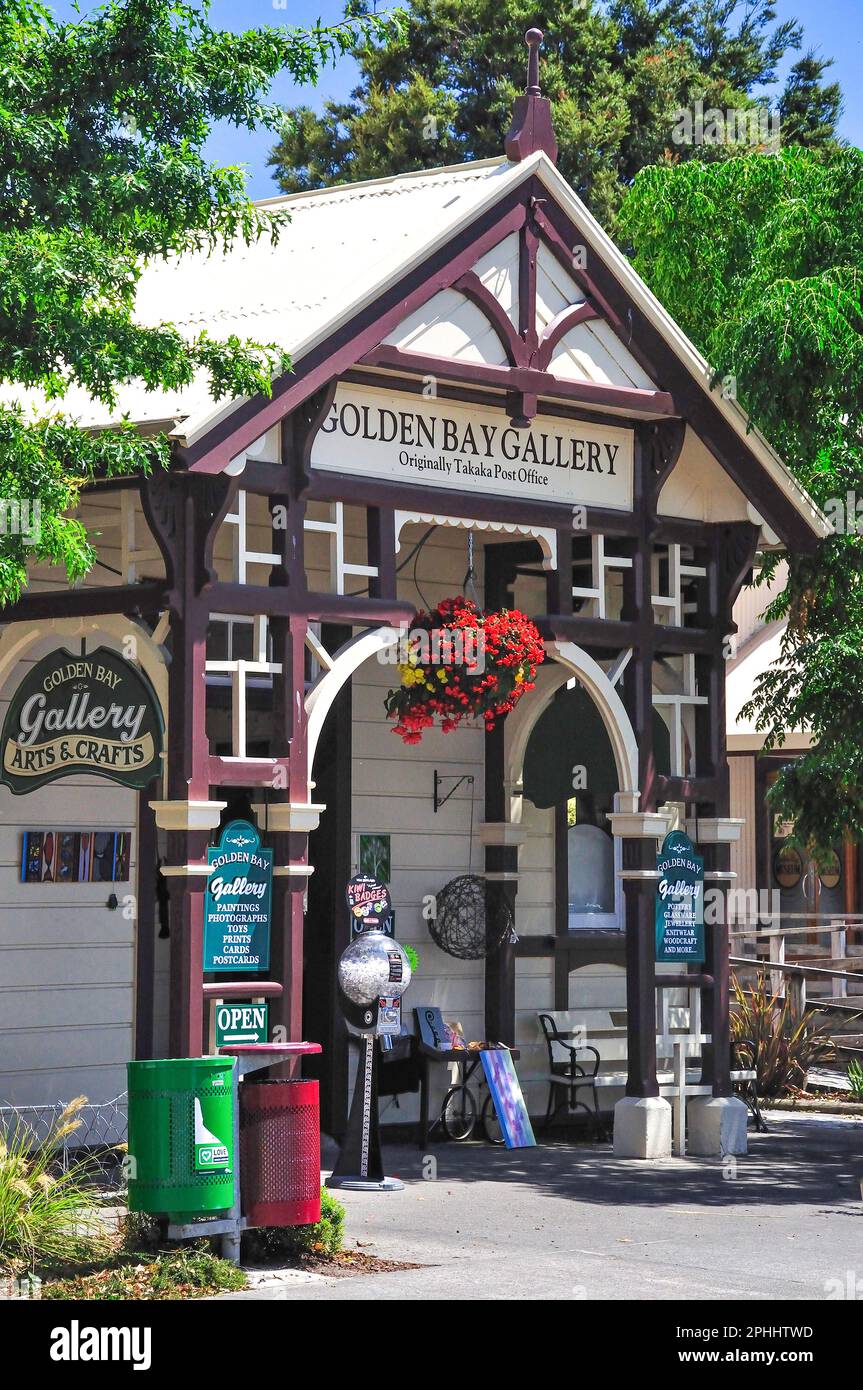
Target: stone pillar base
<point>642,1127</point>
<point>717,1126</point>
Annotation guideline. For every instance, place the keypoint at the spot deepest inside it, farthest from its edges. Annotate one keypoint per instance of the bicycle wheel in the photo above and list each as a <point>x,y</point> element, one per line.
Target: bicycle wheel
<point>458,1113</point>
<point>490,1122</point>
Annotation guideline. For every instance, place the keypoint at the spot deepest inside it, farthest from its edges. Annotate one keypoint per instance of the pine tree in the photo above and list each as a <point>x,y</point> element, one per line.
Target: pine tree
<point>616,73</point>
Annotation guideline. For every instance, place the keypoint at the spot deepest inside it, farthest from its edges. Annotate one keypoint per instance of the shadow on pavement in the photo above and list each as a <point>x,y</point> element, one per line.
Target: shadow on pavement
<point>800,1161</point>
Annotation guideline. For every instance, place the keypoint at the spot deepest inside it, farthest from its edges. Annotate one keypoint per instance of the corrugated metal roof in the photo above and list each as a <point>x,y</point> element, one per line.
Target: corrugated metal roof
<point>344,245</point>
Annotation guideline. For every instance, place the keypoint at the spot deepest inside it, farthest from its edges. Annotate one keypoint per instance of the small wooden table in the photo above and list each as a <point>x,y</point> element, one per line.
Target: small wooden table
<point>466,1058</point>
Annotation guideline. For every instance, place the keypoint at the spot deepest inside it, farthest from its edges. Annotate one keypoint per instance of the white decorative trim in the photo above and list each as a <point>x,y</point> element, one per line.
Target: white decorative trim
<point>293,871</point>
<point>285,817</point>
<point>345,661</point>
<point>500,877</point>
<point>595,593</point>
<point>714,830</point>
<point>545,535</point>
<point>573,660</point>
<point>638,825</point>
<point>501,833</point>
<point>340,568</point>
<point>188,815</point>
<point>186,870</point>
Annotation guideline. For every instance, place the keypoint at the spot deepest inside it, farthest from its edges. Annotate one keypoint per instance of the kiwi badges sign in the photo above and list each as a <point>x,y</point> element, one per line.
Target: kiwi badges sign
<point>237,903</point>
<point>95,712</point>
<point>369,905</point>
<point>679,900</point>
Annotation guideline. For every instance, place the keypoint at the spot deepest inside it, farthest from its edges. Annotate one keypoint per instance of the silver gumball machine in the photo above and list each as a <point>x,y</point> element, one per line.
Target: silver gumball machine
<point>373,974</point>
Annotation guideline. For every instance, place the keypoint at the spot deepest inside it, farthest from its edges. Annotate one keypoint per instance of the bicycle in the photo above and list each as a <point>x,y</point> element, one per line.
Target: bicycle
<point>460,1108</point>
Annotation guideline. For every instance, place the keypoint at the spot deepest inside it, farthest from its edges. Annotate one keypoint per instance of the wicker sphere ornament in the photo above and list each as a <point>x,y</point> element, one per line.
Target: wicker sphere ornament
<point>372,967</point>
<point>462,926</point>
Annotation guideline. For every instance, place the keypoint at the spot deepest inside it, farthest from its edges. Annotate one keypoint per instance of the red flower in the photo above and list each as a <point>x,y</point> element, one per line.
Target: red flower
<point>494,661</point>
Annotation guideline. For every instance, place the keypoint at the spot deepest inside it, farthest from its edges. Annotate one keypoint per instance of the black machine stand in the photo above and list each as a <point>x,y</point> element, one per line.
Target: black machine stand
<point>359,1167</point>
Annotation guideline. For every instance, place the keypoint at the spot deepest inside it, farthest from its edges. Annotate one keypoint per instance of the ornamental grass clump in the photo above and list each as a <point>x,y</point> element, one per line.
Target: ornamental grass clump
<point>461,663</point>
<point>772,1039</point>
<point>46,1216</point>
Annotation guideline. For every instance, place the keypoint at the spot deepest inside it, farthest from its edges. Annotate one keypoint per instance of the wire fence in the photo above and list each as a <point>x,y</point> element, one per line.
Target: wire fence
<point>94,1143</point>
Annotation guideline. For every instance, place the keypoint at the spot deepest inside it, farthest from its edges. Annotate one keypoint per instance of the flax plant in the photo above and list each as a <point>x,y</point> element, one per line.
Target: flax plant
<point>772,1039</point>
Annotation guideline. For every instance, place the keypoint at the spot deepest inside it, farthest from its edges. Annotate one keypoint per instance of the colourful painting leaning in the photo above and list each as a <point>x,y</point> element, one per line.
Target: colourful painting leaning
<point>509,1103</point>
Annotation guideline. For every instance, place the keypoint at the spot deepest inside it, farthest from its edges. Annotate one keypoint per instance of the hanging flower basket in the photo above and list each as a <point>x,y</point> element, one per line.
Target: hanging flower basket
<point>459,663</point>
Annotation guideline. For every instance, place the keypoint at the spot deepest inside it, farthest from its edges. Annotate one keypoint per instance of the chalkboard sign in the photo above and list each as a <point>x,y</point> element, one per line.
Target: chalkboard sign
<point>369,905</point>
<point>237,904</point>
<point>679,900</point>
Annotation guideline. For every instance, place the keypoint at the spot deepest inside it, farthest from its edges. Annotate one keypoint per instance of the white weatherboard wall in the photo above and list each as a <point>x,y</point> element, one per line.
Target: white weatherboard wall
<point>67,962</point>
<point>392,790</point>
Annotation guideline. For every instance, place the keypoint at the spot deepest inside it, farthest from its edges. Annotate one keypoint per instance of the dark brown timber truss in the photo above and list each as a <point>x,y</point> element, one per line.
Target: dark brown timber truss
<point>185,508</point>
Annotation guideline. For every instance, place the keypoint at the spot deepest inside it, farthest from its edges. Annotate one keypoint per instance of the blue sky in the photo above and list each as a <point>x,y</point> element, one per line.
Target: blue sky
<point>833,28</point>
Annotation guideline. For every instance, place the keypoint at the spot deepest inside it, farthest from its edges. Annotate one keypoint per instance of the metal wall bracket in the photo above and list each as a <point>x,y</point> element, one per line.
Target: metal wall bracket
<point>457,781</point>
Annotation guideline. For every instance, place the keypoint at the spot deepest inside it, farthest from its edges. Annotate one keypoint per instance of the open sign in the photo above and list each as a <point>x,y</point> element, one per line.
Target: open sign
<point>240,1022</point>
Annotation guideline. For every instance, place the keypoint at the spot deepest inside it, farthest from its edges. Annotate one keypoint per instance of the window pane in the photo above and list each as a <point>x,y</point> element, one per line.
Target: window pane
<point>590,858</point>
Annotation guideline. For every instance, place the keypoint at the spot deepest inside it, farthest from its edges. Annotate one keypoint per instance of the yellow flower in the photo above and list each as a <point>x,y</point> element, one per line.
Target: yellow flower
<point>519,677</point>
<point>442,675</point>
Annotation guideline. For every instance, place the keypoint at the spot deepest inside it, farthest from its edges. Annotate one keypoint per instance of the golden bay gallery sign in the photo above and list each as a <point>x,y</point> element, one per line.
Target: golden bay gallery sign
<point>441,443</point>
<point>91,713</point>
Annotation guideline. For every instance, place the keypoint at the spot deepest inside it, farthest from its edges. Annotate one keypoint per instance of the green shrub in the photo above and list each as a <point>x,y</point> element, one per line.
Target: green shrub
<point>46,1216</point>
<point>855,1078</point>
<point>785,1046</point>
<point>270,1244</point>
<point>140,1232</point>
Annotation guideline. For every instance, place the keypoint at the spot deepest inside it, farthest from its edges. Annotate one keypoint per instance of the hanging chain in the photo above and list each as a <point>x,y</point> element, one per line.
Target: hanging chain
<point>468,582</point>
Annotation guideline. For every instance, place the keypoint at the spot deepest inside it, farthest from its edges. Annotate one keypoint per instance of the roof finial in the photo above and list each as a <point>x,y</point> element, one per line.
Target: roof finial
<point>531,128</point>
<point>533,39</point>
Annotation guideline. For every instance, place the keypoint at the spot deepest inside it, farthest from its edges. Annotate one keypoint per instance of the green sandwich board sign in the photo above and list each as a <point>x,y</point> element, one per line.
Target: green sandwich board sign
<point>241,1021</point>
<point>679,900</point>
<point>238,901</point>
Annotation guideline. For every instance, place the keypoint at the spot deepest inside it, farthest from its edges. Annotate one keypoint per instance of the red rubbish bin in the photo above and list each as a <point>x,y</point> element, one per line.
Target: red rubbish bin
<point>280,1153</point>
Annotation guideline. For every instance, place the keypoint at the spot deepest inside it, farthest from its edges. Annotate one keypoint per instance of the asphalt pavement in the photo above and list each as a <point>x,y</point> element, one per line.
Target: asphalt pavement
<point>569,1221</point>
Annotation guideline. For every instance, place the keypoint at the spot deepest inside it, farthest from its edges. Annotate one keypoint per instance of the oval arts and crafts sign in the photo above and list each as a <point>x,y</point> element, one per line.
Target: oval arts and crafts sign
<point>93,713</point>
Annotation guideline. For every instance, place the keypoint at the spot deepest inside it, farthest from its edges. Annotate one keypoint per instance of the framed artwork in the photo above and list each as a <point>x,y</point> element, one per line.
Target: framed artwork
<point>503,1082</point>
<point>432,1028</point>
<point>75,856</point>
<point>375,856</point>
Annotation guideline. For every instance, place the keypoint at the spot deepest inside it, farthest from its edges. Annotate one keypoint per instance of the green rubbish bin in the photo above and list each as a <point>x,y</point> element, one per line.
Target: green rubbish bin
<point>181,1136</point>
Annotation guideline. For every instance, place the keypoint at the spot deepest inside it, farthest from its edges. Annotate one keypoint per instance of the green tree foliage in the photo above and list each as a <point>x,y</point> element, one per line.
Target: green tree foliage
<point>102,129</point>
<point>616,71</point>
<point>760,260</point>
